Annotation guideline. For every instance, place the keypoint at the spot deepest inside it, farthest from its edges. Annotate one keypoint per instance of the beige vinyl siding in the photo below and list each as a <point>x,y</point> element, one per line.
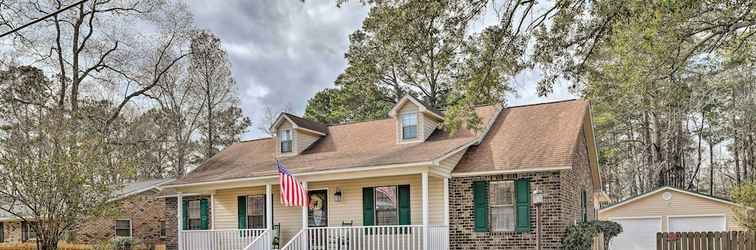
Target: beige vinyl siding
<point>349,209</point>
<point>303,140</point>
<point>681,204</point>
<point>447,165</point>
<point>429,125</point>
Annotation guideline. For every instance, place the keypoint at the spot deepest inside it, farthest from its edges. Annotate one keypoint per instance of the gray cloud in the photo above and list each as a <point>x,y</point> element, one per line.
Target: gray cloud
<point>283,51</point>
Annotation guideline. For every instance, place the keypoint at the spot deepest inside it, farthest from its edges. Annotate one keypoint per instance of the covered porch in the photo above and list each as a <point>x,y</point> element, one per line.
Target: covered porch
<point>401,208</point>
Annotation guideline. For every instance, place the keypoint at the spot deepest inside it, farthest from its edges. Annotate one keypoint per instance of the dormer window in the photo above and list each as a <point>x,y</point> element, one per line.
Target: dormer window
<point>409,126</point>
<point>284,137</point>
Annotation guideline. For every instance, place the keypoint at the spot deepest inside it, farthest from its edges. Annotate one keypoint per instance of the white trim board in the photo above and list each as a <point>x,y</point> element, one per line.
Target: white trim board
<point>666,189</point>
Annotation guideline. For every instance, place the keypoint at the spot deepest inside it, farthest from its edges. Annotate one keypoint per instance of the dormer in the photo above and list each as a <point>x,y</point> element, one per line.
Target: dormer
<point>295,134</point>
<point>415,121</point>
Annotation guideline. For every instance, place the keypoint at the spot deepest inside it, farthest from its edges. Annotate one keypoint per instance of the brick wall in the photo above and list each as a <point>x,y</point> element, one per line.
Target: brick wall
<point>171,220</point>
<point>145,212</point>
<point>463,235</point>
<point>12,231</point>
<point>573,182</point>
<point>171,223</point>
<point>561,207</point>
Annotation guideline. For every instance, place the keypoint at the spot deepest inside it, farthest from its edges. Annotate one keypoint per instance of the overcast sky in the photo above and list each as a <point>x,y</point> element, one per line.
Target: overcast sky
<point>284,51</point>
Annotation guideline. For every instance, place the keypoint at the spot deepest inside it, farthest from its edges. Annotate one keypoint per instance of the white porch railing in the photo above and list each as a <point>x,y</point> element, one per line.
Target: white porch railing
<point>409,237</point>
<point>263,242</point>
<point>233,239</point>
<point>438,238</point>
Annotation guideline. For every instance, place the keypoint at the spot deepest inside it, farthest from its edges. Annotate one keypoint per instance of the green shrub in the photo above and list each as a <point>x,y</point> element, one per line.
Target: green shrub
<point>580,236</point>
<point>122,243</point>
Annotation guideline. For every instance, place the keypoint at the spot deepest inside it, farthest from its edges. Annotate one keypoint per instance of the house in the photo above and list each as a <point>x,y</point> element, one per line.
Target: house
<point>139,215</point>
<point>397,183</point>
<point>668,209</point>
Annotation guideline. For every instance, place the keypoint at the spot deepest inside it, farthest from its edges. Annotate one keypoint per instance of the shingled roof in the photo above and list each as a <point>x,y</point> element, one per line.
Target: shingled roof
<point>522,137</point>
<point>538,136</point>
<point>306,124</point>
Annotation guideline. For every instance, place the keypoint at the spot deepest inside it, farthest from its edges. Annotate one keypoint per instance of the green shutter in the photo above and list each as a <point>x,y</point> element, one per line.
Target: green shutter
<point>480,205</point>
<point>522,192</point>
<point>368,207</point>
<point>404,205</point>
<point>584,205</point>
<point>204,218</point>
<point>241,202</point>
<point>185,214</point>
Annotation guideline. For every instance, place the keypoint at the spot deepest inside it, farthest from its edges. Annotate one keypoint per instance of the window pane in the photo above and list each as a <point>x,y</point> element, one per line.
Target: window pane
<point>194,209</point>
<point>256,212</point>
<point>256,205</point>
<point>256,221</point>
<point>503,193</point>
<point>123,232</point>
<point>502,218</point>
<point>122,224</point>
<point>409,125</point>
<point>162,229</point>
<point>409,132</point>
<point>386,212</point>
<point>195,224</point>
<point>409,119</point>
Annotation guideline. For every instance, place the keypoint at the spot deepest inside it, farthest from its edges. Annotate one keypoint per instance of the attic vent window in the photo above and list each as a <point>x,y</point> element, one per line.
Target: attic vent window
<point>285,138</point>
<point>409,126</point>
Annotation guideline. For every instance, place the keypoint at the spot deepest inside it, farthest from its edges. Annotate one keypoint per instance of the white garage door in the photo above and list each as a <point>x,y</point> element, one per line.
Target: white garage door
<point>696,223</point>
<point>637,234</point>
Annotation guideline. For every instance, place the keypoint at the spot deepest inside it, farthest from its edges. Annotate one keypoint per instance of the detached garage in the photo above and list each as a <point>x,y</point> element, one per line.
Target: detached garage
<point>667,210</point>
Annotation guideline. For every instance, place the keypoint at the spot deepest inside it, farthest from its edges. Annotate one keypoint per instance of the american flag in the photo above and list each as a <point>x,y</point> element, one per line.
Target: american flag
<point>292,193</point>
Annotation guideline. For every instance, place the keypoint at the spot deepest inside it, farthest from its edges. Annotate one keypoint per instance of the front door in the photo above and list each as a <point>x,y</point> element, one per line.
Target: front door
<point>317,212</point>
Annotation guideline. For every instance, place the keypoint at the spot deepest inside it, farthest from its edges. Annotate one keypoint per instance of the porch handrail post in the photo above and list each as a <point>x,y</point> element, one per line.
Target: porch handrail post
<point>424,177</point>
<point>269,207</point>
<point>212,210</point>
<point>180,204</point>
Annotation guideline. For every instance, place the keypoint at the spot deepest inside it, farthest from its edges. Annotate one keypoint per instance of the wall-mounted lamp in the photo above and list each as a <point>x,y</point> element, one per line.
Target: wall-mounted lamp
<point>538,201</point>
<point>337,195</point>
<point>537,197</point>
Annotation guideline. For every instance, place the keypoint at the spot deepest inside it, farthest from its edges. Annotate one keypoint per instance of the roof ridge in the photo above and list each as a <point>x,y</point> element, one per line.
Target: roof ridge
<point>543,103</point>
<point>256,139</point>
<point>355,122</point>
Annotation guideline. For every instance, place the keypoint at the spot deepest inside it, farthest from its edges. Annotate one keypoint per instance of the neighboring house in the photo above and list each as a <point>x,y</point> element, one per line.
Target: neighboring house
<point>397,183</point>
<point>668,209</point>
<point>140,216</point>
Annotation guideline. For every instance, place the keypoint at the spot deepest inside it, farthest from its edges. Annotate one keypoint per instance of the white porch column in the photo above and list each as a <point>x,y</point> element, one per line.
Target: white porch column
<point>269,206</point>
<point>212,210</point>
<point>179,205</point>
<point>446,201</point>
<point>304,217</point>
<point>424,178</point>
<point>304,208</point>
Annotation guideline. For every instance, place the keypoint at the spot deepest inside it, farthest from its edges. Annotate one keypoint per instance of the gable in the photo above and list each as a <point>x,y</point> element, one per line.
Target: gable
<point>680,202</point>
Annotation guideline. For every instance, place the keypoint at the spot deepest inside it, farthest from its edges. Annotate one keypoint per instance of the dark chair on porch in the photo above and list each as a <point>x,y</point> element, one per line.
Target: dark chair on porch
<point>276,233</point>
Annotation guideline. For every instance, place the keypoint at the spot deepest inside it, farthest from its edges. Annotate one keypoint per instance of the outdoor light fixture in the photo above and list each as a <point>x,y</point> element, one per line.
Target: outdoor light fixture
<point>538,201</point>
<point>337,195</point>
<point>537,197</point>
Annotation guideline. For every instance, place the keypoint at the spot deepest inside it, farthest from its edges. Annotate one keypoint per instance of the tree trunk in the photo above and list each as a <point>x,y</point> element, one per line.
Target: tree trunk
<point>711,169</point>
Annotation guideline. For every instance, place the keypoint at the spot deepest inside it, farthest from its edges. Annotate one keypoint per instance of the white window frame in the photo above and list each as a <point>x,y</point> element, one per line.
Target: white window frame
<point>492,204</point>
<point>131,228</point>
<point>401,125</point>
<point>396,204</point>
<point>290,136</point>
